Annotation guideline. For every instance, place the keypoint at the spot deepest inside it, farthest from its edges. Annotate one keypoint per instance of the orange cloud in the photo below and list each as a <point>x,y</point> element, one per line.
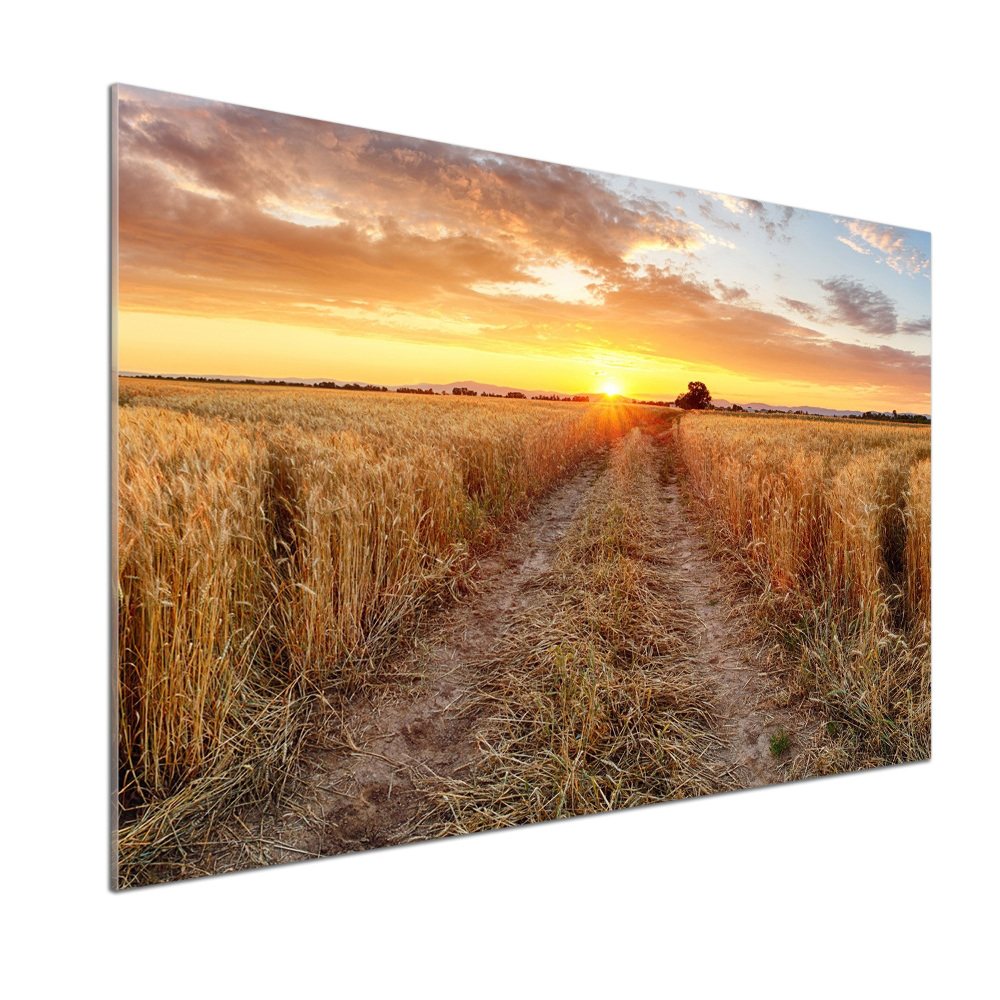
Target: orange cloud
<point>233,213</point>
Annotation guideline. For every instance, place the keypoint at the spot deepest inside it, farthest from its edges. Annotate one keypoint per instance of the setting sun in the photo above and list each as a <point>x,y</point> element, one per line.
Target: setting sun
<point>326,252</point>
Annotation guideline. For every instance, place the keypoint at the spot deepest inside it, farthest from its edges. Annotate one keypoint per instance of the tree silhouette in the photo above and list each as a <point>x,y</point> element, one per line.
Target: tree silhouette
<point>696,398</point>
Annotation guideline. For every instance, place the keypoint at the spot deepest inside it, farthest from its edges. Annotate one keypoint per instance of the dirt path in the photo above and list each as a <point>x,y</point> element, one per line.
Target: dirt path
<point>367,785</point>
<point>371,781</point>
<point>750,702</point>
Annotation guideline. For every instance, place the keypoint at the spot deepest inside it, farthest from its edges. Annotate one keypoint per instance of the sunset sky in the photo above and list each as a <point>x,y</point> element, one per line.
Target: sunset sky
<point>254,243</point>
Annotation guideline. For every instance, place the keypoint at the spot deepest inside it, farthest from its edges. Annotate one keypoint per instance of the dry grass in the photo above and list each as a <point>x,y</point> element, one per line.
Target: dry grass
<point>274,547</point>
<point>831,521</point>
<point>918,541</point>
<point>598,706</point>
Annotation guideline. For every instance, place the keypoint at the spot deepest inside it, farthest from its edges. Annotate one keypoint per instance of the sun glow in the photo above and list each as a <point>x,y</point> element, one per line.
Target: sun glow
<point>357,270</point>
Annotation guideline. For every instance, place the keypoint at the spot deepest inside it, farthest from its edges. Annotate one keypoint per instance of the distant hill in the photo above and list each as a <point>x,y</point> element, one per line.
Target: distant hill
<point>446,387</point>
<point>819,411</point>
<point>482,387</point>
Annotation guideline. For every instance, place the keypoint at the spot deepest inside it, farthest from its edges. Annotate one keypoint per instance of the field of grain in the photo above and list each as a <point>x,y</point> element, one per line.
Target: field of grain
<point>274,544</point>
<point>303,568</point>
<point>830,520</point>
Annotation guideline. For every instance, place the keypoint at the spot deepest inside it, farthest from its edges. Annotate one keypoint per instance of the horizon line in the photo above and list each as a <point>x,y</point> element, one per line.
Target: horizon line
<point>648,397</point>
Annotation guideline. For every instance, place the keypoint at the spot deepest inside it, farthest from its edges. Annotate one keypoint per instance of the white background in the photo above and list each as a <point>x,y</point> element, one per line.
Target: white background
<point>880,883</point>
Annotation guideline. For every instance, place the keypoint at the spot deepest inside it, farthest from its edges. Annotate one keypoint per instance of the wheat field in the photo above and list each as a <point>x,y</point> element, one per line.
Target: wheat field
<point>274,544</point>
<point>830,520</point>
<point>278,546</point>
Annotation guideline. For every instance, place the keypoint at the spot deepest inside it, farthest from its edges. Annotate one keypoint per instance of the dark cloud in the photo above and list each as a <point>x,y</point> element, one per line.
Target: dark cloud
<point>731,293</point>
<point>803,309</point>
<point>857,305</point>
<point>918,327</point>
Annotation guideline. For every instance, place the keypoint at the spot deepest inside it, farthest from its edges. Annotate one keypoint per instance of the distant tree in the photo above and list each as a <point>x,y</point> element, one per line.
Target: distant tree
<point>696,398</point>
<point>516,395</point>
<point>460,390</point>
<point>581,399</point>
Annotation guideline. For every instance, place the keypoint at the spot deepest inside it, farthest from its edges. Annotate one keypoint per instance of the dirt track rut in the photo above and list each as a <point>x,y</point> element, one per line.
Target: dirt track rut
<point>749,700</point>
<point>367,785</point>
